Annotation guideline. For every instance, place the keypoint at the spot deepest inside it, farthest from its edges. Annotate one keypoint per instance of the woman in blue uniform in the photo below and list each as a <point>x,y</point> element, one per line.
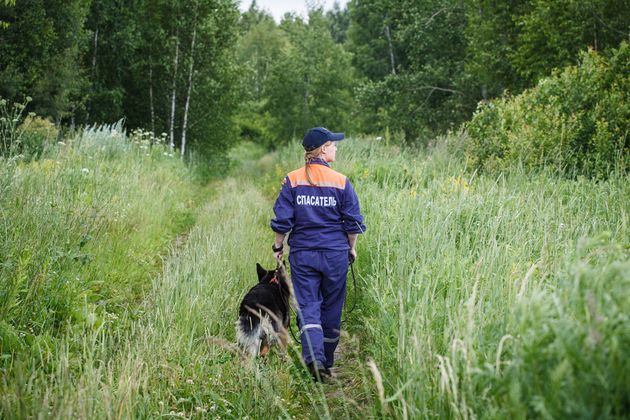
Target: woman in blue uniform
<point>319,210</point>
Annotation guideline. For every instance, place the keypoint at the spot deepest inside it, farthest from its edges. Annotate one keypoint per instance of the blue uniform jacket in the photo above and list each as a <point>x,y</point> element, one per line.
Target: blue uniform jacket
<point>320,216</point>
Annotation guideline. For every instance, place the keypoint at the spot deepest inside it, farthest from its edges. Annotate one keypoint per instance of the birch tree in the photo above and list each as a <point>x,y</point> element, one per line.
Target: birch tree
<point>210,95</point>
<point>174,92</point>
<point>190,82</point>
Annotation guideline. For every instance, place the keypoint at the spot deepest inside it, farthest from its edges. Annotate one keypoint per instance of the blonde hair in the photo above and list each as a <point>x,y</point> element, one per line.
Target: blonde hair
<point>309,155</point>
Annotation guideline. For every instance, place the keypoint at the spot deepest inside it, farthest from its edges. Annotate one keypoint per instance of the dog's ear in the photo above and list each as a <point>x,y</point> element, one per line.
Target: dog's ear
<point>261,272</point>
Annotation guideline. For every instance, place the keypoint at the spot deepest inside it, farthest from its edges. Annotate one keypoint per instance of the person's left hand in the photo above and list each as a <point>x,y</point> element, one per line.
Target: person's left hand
<point>352,255</point>
<point>279,253</point>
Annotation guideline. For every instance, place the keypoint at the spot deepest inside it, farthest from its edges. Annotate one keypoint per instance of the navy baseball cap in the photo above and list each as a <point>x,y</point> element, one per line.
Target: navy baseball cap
<point>317,136</point>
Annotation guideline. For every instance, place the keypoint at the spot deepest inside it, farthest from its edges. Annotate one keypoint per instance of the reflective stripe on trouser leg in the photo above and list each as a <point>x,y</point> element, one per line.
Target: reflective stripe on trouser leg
<point>335,270</point>
<point>306,285</point>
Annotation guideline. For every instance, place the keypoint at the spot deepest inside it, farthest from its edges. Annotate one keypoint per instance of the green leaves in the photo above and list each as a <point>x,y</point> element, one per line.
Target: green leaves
<point>299,77</point>
<point>576,121</point>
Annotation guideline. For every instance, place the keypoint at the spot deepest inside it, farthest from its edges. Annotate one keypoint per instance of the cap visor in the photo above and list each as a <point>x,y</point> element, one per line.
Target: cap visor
<point>337,136</point>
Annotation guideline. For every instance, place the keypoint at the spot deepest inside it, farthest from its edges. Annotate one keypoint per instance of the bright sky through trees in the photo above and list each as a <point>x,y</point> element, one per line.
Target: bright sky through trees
<point>279,7</point>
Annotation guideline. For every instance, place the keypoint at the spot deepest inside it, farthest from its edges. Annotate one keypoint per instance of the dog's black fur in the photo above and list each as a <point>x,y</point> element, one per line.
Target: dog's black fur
<point>264,312</point>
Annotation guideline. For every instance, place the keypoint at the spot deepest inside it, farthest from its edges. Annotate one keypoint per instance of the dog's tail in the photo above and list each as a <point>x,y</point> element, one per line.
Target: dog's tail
<point>248,332</point>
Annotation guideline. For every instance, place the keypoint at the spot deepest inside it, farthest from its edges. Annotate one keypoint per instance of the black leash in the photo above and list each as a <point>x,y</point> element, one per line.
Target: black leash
<point>287,307</point>
<point>354,285</point>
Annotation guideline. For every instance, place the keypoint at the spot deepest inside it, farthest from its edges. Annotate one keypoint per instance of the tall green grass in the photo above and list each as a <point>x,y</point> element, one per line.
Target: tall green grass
<point>489,295</point>
<point>493,296</point>
<point>478,296</point>
<point>82,232</point>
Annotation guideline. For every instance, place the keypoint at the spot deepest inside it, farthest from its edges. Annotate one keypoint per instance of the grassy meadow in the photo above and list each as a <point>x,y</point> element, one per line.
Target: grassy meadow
<point>478,295</point>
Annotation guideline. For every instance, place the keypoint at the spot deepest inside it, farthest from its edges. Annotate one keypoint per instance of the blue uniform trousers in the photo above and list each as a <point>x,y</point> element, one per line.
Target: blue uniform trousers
<point>319,284</point>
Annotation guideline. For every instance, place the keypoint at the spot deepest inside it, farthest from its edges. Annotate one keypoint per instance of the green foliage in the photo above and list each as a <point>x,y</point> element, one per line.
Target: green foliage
<point>491,36</point>
<point>37,134</point>
<point>256,125</point>
<point>414,62</point>
<point>6,3</point>
<point>338,22</point>
<point>416,67</point>
<point>215,96</point>
<point>141,55</point>
<point>428,63</point>
<point>83,229</point>
<point>295,77</point>
<point>258,48</point>
<point>88,62</point>
<point>110,58</point>
<point>552,34</point>
<point>40,55</point>
<point>252,17</point>
<point>367,39</point>
<point>576,121</point>
<point>311,84</point>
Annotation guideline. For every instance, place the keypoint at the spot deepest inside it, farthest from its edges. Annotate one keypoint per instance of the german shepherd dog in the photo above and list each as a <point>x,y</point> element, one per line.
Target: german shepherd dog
<point>264,312</point>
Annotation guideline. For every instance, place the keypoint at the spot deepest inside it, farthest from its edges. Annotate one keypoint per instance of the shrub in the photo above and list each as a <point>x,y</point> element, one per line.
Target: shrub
<point>23,136</point>
<point>576,121</point>
<point>256,126</point>
<point>36,133</point>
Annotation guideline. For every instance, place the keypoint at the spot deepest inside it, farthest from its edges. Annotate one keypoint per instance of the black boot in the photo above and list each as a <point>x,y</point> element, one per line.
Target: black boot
<point>319,372</point>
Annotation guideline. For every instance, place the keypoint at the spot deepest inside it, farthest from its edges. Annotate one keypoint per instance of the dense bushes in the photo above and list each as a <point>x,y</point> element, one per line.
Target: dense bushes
<point>576,121</point>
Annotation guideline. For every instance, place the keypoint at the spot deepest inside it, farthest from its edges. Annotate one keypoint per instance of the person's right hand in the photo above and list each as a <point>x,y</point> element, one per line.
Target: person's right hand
<point>352,255</point>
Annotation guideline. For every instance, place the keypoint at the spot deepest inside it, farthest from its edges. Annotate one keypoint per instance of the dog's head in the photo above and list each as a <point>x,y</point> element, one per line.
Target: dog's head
<point>278,276</point>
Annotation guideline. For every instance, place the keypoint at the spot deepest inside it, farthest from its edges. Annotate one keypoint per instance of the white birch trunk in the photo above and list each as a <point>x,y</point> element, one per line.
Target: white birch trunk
<point>94,55</point>
<point>151,101</point>
<point>391,49</point>
<point>173,94</point>
<point>188,93</point>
